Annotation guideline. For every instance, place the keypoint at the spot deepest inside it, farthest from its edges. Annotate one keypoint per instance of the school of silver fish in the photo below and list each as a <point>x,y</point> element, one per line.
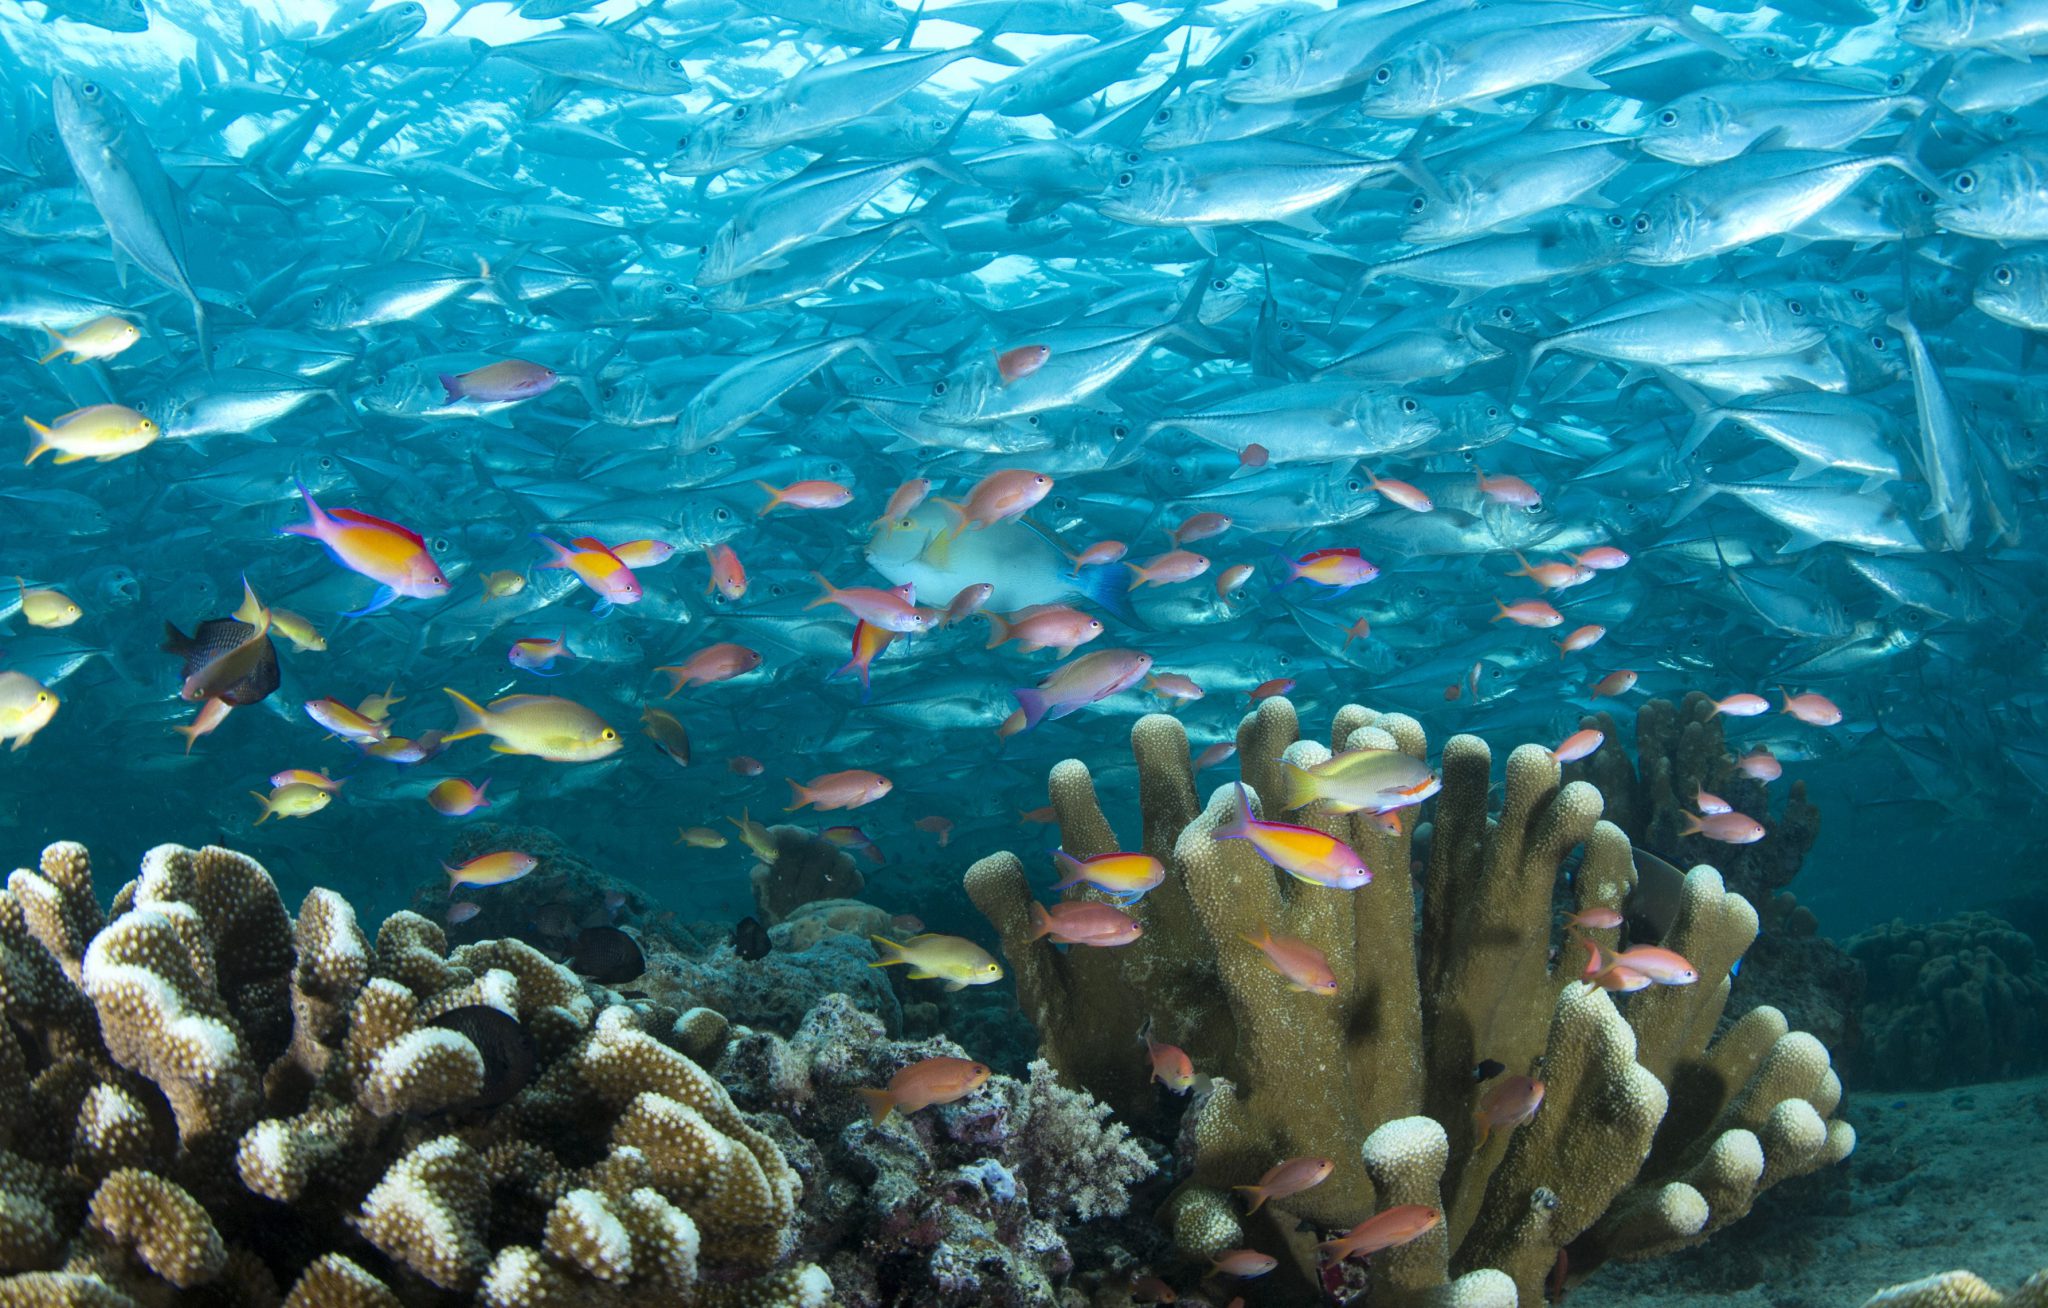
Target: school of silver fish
<point>854,393</point>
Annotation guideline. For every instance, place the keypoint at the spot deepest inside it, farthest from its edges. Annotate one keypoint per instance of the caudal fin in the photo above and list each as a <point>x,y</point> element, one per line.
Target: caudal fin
<point>889,952</point>
<point>1110,591</point>
<point>1032,704</point>
<point>1240,825</point>
<point>1297,786</point>
<point>1000,628</point>
<point>452,385</point>
<point>797,794</point>
<point>471,719</point>
<point>1041,922</point>
<point>880,1104</point>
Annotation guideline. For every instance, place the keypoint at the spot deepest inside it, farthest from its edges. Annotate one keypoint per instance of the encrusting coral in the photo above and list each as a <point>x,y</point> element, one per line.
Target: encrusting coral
<point>203,1101</point>
<point>1948,1003</point>
<point>1961,1290</point>
<point>1651,1135</point>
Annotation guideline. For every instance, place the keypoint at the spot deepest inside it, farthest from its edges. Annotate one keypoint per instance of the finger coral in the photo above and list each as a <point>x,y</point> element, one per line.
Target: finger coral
<point>1652,1132</point>
<point>202,1094</point>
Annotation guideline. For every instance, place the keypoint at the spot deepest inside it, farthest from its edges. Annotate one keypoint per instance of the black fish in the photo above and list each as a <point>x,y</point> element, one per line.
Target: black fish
<point>1652,907</point>
<point>1488,1069</point>
<point>750,939</point>
<point>506,1048</point>
<point>607,954</point>
<point>216,637</point>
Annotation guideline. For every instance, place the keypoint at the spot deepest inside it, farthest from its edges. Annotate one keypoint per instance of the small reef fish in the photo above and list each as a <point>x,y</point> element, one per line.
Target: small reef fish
<point>853,788</point>
<point>1613,685</point>
<point>936,826</point>
<point>503,584</point>
<point>99,431</point>
<point>1173,686</point>
<point>667,733</point>
<point>959,963</point>
<point>1170,1064</point>
<point>1071,686</point>
<point>853,838</point>
<point>1400,492</point>
<point>1268,689</point>
<point>102,338</point>
<point>1302,852</point>
<point>345,722</point>
<point>537,654</point>
<point>728,574</point>
<point>1385,1230</point>
<point>1283,1180</point>
<point>1742,705</point>
<point>1020,361</point>
<point>1636,967</point>
<point>1528,613</point>
<point>1168,568</point>
<point>558,730</point>
<point>593,563</point>
<point>378,707</point>
<point>1081,922</point>
<point>1579,744</point>
<point>1581,638</point>
<point>721,662</point>
<point>1729,828</point>
<point>1760,765</point>
<point>1200,527</point>
<point>1810,708</point>
<point>998,497</point>
<point>699,838</point>
<point>1359,781</point>
<point>1505,1105</point>
<point>26,707</point>
<point>458,798</point>
<point>295,799</point>
<point>1339,569</point>
<point>902,500</point>
<point>743,765</point>
<point>868,644</point>
<point>966,602</point>
<point>891,610</point>
<point>49,609</point>
<point>1220,752</point>
<point>1596,919</point>
<point>493,869</point>
<point>1242,1263</point>
<point>394,557</point>
<point>754,836</point>
<point>305,638</point>
<point>1303,966</point>
<point>1046,626</point>
<point>1127,876</point>
<point>804,495</point>
<point>503,382</point>
<point>924,1083</point>
<point>1710,804</point>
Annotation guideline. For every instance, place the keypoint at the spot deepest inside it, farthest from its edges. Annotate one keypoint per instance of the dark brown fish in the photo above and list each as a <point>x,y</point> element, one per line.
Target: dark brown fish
<point>217,639</point>
<point>608,955</point>
<point>750,939</point>
<point>1652,907</point>
<point>506,1048</point>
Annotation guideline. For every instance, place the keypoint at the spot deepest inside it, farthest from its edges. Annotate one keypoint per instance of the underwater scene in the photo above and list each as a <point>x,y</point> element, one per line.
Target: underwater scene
<point>1023,653</point>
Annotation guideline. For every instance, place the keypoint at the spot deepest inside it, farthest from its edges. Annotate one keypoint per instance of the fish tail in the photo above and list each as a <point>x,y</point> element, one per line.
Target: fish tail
<point>1033,704</point>
<point>798,795</point>
<point>61,346</point>
<point>1240,825</point>
<point>42,445</point>
<point>1041,921</point>
<point>1139,577</point>
<point>774,498</point>
<point>1297,786</point>
<point>316,517</point>
<point>1502,607</point>
<point>999,629</point>
<point>1258,1197</point>
<point>956,518</point>
<point>264,800</point>
<point>880,1104</point>
<point>471,718</point>
<point>560,555</point>
<point>452,385</point>
<point>828,588</point>
<point>890,952</point>
<point>1781,690</point>
<point>1076,871</point>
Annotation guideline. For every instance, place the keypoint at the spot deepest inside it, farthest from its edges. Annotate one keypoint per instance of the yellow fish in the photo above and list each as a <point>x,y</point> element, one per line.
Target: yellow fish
<point>102,338</point>
<point>699,837</point>
<point>378,707</point>
<point>498,585</point>
<point>98,431</point>
<point>959,963</point>
<point>490,869</point>
<point>26,707</point>
<point>47,608</point>
<point>558,730</point>
<point>297,630</point>
<point>755,836</point>
<point>293,799</point>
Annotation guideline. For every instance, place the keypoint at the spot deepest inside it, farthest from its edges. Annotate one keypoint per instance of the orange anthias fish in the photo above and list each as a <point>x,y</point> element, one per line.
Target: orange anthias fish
<point>1020,361</point>
<point>892,610</point>
<point>868,641</point>
<point>850,789</point>
<point>1127,876</point>
<point>1583,638</point>
<point>1614,684</point>
<point>966,602</point>
<point>1728,828</point>
<point>922,1084</point>
<point>1084,922</point>
<point>1286,1179</point>
<point>1301,963</point>
<point>596,567</point>
<point>1760,764</point>
<point>1552,576</point>
<point>1168,568</point>
<point>1507,1103</point>
<point>804,495</point>
<point>1097,555</point>
<point>1503,488</point>
<point>1743,705</point>
<point>1340,569</point>
<point>1232,579</point>
<point>998,497</point>
<point>1636,967</point>
<point>1171,1066</point>
<point>1302,852</point>
<point>1043,626</point>
<point>390,555</point>
<point>720,662</point>
<point>1579,744</point>
<point>1219,752</point>
<point>1243,1263</point>
<point>902,500</point>
<point>1814,710</point>
<point>1387,1230</point>
<point>1528,613</point>
<point>1400,492</point>
<point>457,798</point>
<point>1200,527</point>
<point>1268,689</point>
<point>728,574</point>
<point>937,826</point>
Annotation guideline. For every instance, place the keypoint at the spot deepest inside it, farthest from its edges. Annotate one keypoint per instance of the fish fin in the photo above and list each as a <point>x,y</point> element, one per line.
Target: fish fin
<point>891,952</point>
<point>1297,786</point>
<point>950,985</point>
<point>1032,704</point>
<point>1041,921</point>
<point>560,554</point>
<point>380,600</point>
<point>999,628</point>
<point>1695,495</point>
<point>880,1104</point>
<point>798,794</point>
<point>470,717</point>
<point>452,385</point>
<point>829,589</point>
<point>1240,825</point>
<point>1677,19</point>
<point>315,516</point>
<point>59,350</point>
<point>500,747</point>
<point>1258,1197</point>
<point>73,458</point>
<point>1109,591</point>
<point>264,800</point>
<point>774,499</point>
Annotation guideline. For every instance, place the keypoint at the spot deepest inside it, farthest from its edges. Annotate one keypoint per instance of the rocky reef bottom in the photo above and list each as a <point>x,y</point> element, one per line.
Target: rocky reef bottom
<point>1940,1179</point>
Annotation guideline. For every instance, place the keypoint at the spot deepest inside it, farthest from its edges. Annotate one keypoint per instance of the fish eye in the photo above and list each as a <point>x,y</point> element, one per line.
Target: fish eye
<point>1219,284</point>
<point>682,143</point>
<point>608,734</point>
<point>1059,504</point>
<point>668,288</point>
<point>1382,74</point>
<point>1642,222</point>
<point>2002,275</point>
<point>1354,485</point>
<point>1533,508</point>
<point>938,388</point>
<point>1418,204</point>
<point>1796,307</point>
<point>1132,157</point>
<point>319,301</point>
<point>1877,342</point>
<point>1408,404</point>
<point>1246,60</point>
<point>1966,182</point>
<point>1032,421</point>
<point>1923,197</point>
<point>1669,118</point>
<point>1165,116</point>
<point>1583,124</point>
<point>1124,179</point>
<point>1493,411</point>
<point>721,515</point>
<point>1860,295</point>
<point>1915,6</point>
<point>326,463</point>
<point>43,698</point>
<point>91,88</point>
<point>1119,431</point>
<point>1894,82</point>
<point>1616,221</point>
<point>1505,314</point>
<point>739,112</point>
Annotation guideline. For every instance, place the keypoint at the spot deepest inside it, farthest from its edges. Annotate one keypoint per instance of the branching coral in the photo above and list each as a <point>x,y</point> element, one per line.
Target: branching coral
<point>1652,1134</point>
<point>980,1202</point>
<point>203,1096</point>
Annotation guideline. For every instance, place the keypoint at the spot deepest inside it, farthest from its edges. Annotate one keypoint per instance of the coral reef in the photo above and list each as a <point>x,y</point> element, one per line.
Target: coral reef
<point>820,949</point>
<point>1960,1290</point>
<point>1949,1003</point>
<point>806,867</point>
<point>1653,1134</point>
<point>988,1201</point>
<point>548,906</point>
<point>204,1100</point>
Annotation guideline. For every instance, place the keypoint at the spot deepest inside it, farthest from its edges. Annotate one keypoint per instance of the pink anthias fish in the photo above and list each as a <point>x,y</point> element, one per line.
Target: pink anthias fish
<point>1579,744</point>
<point>596,567</point>
<point>1760,764</point>
<point>394,557</point>
<point>1302,852</point>
<point>1742,705</point>
<point>1075,685</point>
<point>1810,708</point>
<point>1042,626</point>
<point>998,497</point>
<point>892,610</point>
<point>537,654</point>
<point>501,382</point>
<point>1084,922</point>
<point>1728,828</point>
